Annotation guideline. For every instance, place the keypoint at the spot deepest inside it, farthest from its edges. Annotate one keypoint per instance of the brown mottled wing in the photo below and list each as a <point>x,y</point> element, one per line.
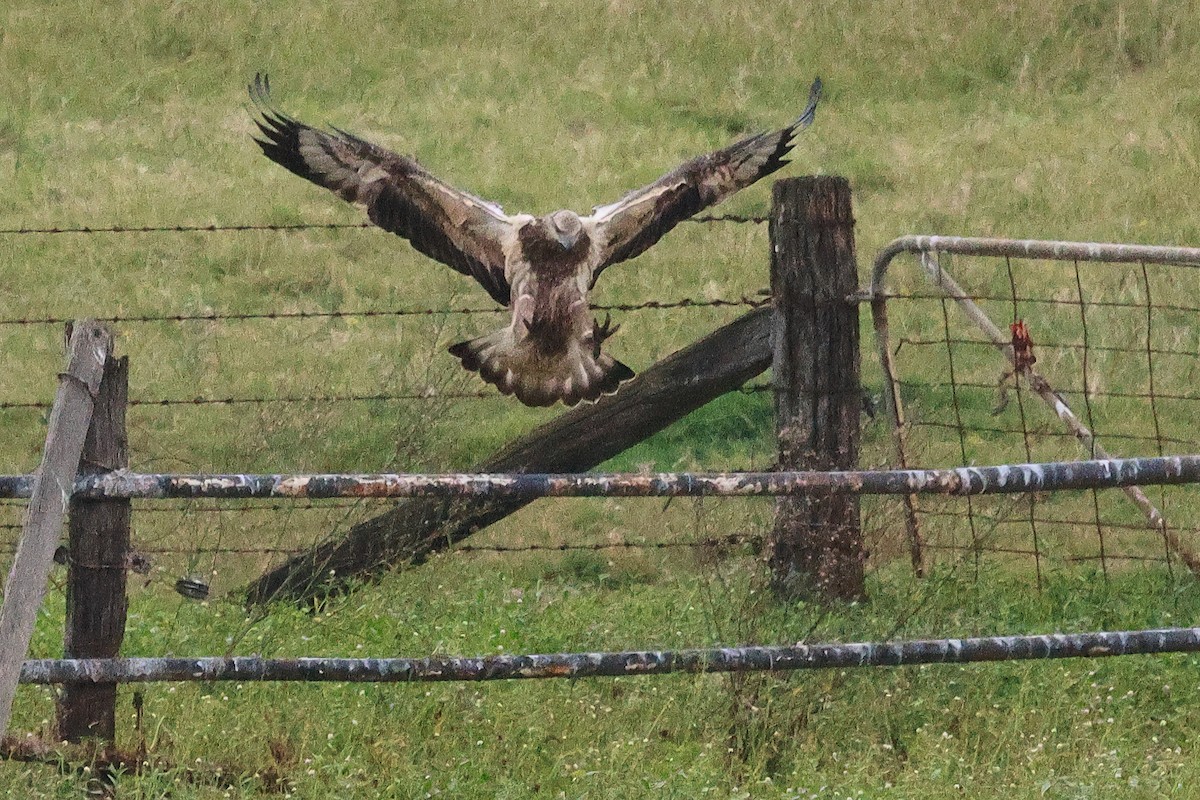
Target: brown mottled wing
<point>629,226</point>
<point>453,227</point>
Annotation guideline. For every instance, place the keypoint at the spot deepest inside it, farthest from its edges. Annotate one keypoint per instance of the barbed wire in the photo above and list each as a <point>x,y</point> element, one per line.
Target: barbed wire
<point>210,228</point>
<point>345,398</point>
<point>216,316</point>
<point>1098,393</point>
<point>730,540</point>
<point>1047,345</point>
<point>221,316</point>
<point>686,302</point>
<point>711,541</point>
<point>286,226</point>
<point>427,395</point>
<point>1100,341</point>
<point>139,553</point>
<point>191,507</point>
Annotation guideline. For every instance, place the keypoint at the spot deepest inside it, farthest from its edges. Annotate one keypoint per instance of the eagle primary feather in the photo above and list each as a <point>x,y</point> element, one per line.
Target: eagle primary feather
<point>542,268</point>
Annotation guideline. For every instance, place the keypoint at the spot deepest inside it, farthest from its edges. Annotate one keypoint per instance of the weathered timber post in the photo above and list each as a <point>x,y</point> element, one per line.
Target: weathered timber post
<point>99,542</point>
<point>816,548</point>
<point>89,346</point>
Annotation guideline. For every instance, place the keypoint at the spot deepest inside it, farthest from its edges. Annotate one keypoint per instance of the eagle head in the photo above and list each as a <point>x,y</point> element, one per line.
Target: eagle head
<point>565,227</point>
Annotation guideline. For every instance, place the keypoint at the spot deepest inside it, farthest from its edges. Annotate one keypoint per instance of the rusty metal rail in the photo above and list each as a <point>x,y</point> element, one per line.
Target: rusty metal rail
<point>1002,479</point>
<point>615,664</point>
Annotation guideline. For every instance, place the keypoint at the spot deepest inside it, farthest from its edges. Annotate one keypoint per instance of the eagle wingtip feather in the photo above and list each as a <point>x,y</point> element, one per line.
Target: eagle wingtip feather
<point>810,111</point>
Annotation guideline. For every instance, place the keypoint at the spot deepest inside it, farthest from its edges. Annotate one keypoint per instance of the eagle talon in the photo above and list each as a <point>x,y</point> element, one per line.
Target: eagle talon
<point>606,329</point>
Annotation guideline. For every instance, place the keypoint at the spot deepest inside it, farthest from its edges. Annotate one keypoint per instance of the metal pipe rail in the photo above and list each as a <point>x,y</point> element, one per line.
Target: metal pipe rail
<point>615,664</point>
<point>1029,248</point>
<point>1001,479</point>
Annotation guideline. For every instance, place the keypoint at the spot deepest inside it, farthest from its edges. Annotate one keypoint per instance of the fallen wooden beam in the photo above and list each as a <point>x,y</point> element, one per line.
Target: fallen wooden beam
<point>576,441</point>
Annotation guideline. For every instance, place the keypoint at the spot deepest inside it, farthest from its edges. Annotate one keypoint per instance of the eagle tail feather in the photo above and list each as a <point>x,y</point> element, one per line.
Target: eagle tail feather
<point>577,373</point>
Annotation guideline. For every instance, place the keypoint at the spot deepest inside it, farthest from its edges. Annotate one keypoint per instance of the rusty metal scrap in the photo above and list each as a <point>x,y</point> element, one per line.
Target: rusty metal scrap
<point>1022,345</point>
<point>613,664</point>
<point>1002,479</point>
<point>1023,360</point>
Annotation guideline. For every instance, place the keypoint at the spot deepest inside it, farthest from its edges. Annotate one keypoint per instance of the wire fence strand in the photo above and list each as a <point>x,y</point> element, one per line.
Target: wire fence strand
<point>236,316</point>
<point>283,226</point>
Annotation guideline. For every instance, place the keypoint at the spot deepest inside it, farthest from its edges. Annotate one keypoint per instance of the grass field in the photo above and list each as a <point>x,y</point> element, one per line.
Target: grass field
<point>1068,120</point>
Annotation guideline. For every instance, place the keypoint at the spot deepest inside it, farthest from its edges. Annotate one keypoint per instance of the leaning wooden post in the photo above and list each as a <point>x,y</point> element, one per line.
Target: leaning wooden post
<point>89,346</point>
<point>576,441</point>
<point>816,548</point>
<point>96,560</point>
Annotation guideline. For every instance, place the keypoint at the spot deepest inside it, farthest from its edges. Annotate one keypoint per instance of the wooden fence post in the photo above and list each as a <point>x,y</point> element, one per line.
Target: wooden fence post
<point>97,552</point>
<point>816,548</point>
<point>89,346</point>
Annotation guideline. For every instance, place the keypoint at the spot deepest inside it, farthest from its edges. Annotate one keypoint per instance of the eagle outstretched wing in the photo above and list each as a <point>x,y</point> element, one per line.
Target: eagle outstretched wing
<point>631,225</point>
<point>458,229</point>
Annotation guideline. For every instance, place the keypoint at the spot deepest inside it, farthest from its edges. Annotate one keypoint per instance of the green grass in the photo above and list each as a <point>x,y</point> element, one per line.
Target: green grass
<point>1070,120</point>
<point>1120,727</point>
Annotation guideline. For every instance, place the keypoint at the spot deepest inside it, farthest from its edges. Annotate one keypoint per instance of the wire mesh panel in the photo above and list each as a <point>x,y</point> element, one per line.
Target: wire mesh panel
<point>1091,349</point>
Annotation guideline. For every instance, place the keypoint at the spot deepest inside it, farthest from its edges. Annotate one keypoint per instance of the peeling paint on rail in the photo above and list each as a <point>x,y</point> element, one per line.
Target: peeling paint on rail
<point>1001,479</point>
<point>615,664</point>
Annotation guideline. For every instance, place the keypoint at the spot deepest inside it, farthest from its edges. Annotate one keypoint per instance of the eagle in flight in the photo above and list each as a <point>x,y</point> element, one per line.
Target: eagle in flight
<point>542,268</point>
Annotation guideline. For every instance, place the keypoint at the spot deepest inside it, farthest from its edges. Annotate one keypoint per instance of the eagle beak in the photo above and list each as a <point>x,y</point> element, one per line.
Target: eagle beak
<point>567,240</point>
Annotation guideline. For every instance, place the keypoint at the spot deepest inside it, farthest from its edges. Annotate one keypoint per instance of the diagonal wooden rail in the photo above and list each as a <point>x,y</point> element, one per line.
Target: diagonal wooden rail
<point>49,489</point>
<point>576,441</point>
